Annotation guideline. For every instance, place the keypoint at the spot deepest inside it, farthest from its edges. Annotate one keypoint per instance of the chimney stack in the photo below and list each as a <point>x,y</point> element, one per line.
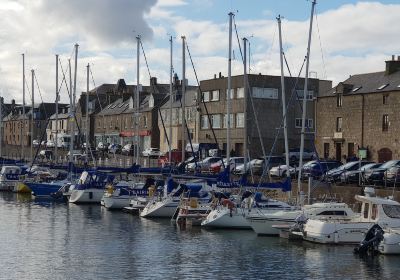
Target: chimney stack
<point>393,65</point>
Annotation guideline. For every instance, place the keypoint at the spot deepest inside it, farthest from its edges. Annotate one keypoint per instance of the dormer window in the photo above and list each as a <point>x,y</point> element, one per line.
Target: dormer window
<point>382,86</point>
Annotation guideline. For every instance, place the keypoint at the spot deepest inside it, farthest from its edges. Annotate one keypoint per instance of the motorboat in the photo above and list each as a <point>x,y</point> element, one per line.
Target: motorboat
<point>90,187</point>
<point>232,212</point>
<point>374,210</point>
<point>267,223</point>
<point>121,195</point>
<point>10,177</point>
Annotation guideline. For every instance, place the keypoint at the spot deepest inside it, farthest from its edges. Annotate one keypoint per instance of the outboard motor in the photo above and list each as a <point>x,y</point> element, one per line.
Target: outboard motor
<point>369,246</point>
<point>300,221</point>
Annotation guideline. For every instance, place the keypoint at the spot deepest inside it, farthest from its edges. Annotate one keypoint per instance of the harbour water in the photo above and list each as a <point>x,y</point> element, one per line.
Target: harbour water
<point>43,240</point>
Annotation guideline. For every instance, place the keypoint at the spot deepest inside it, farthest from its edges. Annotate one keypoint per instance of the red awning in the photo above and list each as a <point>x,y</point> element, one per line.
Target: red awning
<point>132,133</point>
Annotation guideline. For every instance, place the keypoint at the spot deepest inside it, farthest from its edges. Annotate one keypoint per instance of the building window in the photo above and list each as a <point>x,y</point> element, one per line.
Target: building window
<point>309,123</point>
<point>265,93</point>
<point>216,121</point>
<point>300,94</point>
<point>232,96</point>
<point>385,99</point>
<point>240,93</point>
<point>339,100</point>
<point>240,120</point>
<point>339,124</point>
<point>385,123</point>
<point>144,121</point>
<point>215,95</point>
<point>206,96</point>
<point>350,150</point>
<point>111,122</point>
<point>204,122</point>
<point>231,121</point>
<point>126,122</point>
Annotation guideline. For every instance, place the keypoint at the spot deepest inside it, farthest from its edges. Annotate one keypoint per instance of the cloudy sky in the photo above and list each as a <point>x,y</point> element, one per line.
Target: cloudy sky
<point>349,37</point>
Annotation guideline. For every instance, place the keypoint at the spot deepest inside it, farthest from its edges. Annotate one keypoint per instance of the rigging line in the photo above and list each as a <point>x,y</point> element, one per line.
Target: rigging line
<point>97,95</point>
<point>154,91</point>
<point>64,78</point>
<point>320,46</point>
<point>201,94</point>
<point>287,64</point>
<point>40,94</point>
<point>237,36</point>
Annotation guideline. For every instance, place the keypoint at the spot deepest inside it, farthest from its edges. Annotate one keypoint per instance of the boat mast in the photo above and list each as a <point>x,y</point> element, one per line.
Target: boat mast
<point>23,108</point>
<point>1,126</point>
<point>137,102</point>
<point>284,111</point>
<point>228,98</point>
<point>71,117</point>
<point>183,96</point>
<point>303,124</point>
<point>245,88</point>
<point>87,114</point>
<point>33,111</point>
<point>57,97</point>
<point>170,103</point>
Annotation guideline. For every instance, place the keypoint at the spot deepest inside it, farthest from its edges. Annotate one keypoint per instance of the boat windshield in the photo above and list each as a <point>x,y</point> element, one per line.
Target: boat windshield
<point>84,177</point>
<point>392,211</point>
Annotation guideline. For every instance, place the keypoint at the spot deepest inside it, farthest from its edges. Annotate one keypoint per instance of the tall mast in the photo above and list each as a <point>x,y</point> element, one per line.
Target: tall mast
<point>183,96</point>
<point>1,125</point>
<point>245,88</point>
<point>57,97</point>
<point>137,101</point>
<point>23,133</point>
<point>303,125</point>
<point>228,99</point>
<point>284,112</point>
<point>71,116</point>
<point>87,114</point>
<point>33,111</point>
<point>170,102</point>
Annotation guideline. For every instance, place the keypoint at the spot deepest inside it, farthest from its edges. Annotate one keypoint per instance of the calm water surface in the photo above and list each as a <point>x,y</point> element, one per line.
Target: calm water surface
<point>40,240</point>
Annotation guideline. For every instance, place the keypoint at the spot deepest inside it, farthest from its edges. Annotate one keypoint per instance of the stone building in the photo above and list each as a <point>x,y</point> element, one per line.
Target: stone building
<point>14,133</point>
<point>59,125</point>
<point>191,115</point>
<point>115,123</point>
<point>361,114</point>
<point>264,104</point>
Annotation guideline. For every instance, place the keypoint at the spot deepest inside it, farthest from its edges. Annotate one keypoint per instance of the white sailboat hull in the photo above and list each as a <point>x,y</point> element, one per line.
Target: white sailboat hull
<point>262,224</point>
<point>160,209</point>
<point>116,202</point>
<point>224,218</point>
<point>86,196</point>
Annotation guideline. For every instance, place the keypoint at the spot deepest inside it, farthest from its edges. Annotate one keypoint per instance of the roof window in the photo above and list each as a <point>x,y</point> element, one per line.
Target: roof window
<point>382,86</point>
<point>356,89</point>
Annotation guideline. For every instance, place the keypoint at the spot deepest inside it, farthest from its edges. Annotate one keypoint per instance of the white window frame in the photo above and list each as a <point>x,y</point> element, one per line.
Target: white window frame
<point>240,93</point>
<point>204,122</point>
<point>216,121</point>
<point>300,93</point>
<point>240,120</point>
<point>224,123</point>
<point>265,93</point>
<point>214,95</point>
<point>232,94</point>
<point>206,96</point>
<point>309,123</point>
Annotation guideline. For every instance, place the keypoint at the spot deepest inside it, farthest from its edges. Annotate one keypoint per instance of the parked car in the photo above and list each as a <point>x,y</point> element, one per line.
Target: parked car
<point>50,144</point>
<point>393,176</point>
<point>376,175</point>
<point>43,144</point>
<point>281,171</point>
<point>257,166</point>
<point>353,176</point>
<point>152,152</point>
<point>128,149</point>
<point>46,154</point>
<point>103,147</point>
<point>203,165</point>
<point>176,157</point>
<point>333,175</point>
<point>218,166</point>
<point>35,143</point>
<point>114,148</point>
<point>294,154</point>
<point>316,169</point>
<point>240,168</point>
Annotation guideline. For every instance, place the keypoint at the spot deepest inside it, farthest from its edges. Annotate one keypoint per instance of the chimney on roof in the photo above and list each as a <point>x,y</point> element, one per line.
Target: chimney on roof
<point>215,76</point>
<point>153,81</point>
<point>220,76</point>
<point>392,66</point>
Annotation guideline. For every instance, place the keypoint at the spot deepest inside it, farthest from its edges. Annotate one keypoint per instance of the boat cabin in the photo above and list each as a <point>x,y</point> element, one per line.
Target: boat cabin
<point>380,210</point>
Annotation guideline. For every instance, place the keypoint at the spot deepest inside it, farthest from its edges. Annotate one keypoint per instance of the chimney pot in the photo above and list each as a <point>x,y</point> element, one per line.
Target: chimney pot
<point>393,57</point>
<point>219,74</point>
<point>215,76</point>
<point>398,57</point>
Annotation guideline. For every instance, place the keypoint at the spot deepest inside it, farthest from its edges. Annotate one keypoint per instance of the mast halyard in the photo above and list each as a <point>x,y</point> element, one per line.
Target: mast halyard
<point>23,127</point>
<point>246,91</point>
<point>57,99</point>
<point>183,96</point>
<point>137,103</point>
<point>170,103</point>
<point>228,97</point>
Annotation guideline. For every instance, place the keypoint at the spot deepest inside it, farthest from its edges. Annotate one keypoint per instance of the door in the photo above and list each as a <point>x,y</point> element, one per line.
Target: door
<point>338,151</point>
<point>238,150</point>
<point>350,150</point>
<point>326,150</point>
<point>384,154</point>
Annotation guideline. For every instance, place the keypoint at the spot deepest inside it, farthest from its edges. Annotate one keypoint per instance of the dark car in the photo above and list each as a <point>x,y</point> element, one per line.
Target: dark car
<point>392,176</point>
<point>377,175</point>
<point>354,176</point>
<point>333,175</point>
<point>316,169</point>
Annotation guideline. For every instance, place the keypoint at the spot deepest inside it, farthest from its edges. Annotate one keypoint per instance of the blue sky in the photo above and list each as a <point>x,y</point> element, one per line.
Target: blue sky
<point>349,37</point>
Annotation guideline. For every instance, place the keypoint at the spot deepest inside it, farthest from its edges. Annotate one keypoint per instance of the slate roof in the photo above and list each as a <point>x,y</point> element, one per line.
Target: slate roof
<point>370,83</point>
